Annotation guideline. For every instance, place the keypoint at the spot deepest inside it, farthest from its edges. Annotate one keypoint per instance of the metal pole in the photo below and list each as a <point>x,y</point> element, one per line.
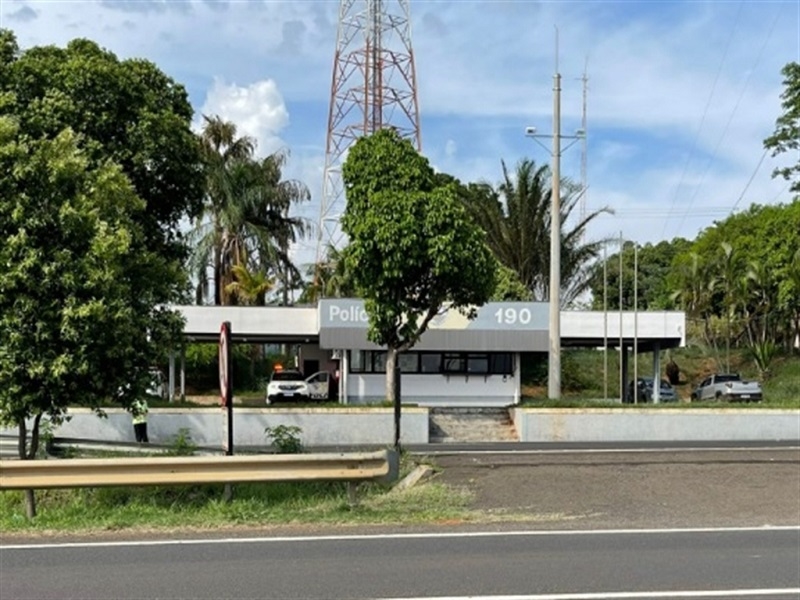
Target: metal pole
<point>636,320</point>
<point>621,343</point>
<point>554,368</point>
<point>605,321</point>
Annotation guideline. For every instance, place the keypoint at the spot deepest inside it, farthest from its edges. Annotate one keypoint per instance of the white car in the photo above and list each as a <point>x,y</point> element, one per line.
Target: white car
<point>289,384</point>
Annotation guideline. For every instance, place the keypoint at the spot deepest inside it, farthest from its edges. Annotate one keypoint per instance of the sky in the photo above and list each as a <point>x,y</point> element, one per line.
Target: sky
<point>680,94</point>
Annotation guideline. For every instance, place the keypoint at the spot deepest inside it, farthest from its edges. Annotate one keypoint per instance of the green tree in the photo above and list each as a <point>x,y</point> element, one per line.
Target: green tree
<point>412,246</point>
<point>126,111</point>
<point>245,220</point>
<point>786,137</point>
<point>516,217</point>
<point>81,296</point>
<point>328,279</point>
<point>768,236</point>
<point>509,288</point>
<point>655,290</point>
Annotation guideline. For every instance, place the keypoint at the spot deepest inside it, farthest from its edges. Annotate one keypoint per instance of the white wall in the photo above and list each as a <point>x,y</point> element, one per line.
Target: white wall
<point>667,424</point>
<point>429,390</point>
<point>320,427</point>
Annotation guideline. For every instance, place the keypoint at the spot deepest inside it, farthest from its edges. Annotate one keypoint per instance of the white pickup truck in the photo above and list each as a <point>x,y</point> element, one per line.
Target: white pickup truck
<point>728,387</point>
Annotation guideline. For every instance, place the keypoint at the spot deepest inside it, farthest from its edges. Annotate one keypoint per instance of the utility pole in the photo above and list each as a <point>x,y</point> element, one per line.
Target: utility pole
<point>584,144</point>
<point>554,361</point>
<point>554,347</point>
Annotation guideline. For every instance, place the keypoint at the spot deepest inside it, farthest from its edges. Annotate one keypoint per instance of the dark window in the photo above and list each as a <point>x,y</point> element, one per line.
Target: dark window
<point>409,362</point>
<point>357,361</point>
<point>378,362</point>
<point>453,363</point>
<point>478,363</point>
<point>430,363</point>
<point>501,364</point>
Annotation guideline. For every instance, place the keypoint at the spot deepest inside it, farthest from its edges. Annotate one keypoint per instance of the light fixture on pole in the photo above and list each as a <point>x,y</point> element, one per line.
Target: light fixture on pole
<point>554,353</point>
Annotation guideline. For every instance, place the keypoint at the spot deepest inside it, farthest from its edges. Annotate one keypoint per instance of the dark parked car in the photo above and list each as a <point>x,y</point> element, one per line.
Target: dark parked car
<point>644,387</point>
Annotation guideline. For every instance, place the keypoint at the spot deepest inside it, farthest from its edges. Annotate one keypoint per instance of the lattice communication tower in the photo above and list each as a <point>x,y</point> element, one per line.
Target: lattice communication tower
<point>374,86</point>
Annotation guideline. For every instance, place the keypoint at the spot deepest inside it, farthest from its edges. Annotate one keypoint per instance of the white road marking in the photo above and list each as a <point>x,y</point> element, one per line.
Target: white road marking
<point>623,595</point>
<point>395,536</point>
<point>455,451</point>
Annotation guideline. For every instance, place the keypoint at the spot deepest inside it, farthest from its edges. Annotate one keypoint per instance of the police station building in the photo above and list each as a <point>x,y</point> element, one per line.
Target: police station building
<point>456,362</point>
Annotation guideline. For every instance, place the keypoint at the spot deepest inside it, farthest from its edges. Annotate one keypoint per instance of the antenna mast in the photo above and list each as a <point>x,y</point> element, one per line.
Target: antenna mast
<point>373,87</point>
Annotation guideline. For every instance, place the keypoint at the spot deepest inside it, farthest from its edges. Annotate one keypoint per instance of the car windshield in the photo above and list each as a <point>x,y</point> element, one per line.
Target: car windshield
<point>665,385</point>
<point>287,376</point>
<point>723,378</point>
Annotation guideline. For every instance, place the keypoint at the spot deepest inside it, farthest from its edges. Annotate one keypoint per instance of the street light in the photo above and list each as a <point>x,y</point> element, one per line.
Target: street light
<point>554,352</point>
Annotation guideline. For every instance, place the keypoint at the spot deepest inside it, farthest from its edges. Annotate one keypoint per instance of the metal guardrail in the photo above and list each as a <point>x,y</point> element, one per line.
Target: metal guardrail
<point>72,473</point>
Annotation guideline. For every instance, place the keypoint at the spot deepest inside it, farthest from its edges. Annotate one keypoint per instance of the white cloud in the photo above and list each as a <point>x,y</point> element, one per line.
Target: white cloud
<point>258,110</point>
<point>450,148</point>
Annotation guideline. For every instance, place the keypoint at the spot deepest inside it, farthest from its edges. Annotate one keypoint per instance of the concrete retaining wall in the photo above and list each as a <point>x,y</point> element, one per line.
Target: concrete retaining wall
<point>691,425</point>
<point>320,427</point>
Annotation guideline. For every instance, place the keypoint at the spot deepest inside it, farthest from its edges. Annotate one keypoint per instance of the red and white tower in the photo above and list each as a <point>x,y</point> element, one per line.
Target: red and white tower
<point>374,86</point>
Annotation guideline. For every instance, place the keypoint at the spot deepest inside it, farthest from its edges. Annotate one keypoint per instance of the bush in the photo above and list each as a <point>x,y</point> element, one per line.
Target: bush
<point>285,438</point>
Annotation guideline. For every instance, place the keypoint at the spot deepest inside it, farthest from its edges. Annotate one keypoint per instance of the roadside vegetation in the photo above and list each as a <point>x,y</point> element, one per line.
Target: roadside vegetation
<point>253,505</point>
<point>583,378</point>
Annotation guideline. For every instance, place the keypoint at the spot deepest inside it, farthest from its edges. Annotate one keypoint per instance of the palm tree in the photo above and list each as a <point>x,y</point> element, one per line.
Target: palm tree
<point>246,219</point>
<point>516,216</point>
<point>329,278</point>
<point>694,292</point>
<point>250,288</point>
<point>728,271</point>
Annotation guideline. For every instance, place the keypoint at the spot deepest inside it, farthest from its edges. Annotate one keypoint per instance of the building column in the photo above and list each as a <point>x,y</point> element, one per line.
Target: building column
<point>344,367</point>
<point>183,373</point>
<point>172,376</point>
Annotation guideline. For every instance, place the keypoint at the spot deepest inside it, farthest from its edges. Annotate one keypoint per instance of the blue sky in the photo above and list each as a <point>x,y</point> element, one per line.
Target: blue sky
<point>681,94</point>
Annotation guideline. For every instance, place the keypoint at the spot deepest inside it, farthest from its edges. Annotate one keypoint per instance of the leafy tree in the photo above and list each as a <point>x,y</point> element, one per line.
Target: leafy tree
<point>508,287</point>
<point>516,217</point>
<point>743,271</point>
<point>329,278</point>
<point>245,220</point>
<point>412,246</point>
<point>655,266</point>
<point>126,111</point>
<point>81,295</point>
<point>787,127</point>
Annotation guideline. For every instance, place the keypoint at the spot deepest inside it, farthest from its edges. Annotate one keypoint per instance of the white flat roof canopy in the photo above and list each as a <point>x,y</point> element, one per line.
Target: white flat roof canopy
<point>502,326</point>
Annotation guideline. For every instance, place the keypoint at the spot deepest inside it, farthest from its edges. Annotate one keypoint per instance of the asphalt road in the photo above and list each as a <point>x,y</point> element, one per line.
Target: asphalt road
<point>522,564</point>
<point>600,521</point>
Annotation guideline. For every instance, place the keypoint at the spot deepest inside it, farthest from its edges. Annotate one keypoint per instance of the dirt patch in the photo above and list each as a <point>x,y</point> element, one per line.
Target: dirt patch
<point>731,488</point>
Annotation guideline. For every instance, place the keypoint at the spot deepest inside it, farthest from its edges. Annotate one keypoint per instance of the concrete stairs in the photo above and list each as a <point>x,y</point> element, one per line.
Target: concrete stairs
<point>459,425</point>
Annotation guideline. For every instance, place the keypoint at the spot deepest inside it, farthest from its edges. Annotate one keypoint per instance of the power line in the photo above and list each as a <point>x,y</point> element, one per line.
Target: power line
<point>705,113</point>
<point>730,118</point>
<point>749,181</point>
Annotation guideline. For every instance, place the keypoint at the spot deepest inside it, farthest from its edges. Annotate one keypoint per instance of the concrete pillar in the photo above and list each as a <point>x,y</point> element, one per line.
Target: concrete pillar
<point>344,374</point>
<point>183,373</point>
<point>172,376</point>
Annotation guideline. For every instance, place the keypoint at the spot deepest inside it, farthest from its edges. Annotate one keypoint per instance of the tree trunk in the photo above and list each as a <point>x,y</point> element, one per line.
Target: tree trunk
<point>29,454</point>
<point>217,278</point>
<point>391,361</point>
<point>392,391</point>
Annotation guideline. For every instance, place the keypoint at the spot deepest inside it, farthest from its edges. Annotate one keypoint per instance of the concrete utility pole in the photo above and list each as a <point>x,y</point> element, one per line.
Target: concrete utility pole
<point>554,354</point>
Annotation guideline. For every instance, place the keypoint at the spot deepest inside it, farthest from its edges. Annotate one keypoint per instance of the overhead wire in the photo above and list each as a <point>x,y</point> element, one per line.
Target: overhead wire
<point>730,119</point>
<point>705,113</point>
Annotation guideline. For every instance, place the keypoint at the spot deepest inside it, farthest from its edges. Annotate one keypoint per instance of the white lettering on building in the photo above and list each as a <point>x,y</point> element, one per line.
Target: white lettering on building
<point>350,314</point>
